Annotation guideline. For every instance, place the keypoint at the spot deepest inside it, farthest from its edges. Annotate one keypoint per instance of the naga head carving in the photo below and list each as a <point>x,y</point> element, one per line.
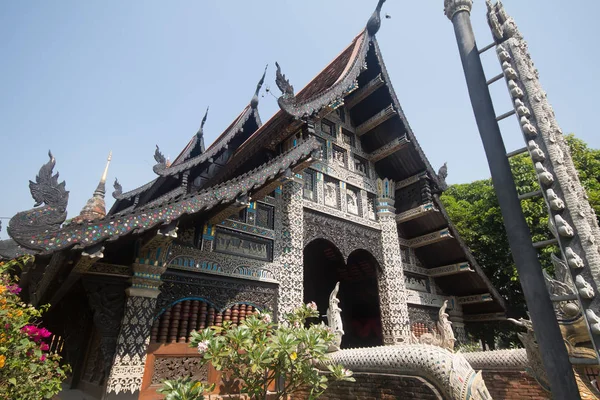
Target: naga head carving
<point>283,84</point>
<point>46,189</point>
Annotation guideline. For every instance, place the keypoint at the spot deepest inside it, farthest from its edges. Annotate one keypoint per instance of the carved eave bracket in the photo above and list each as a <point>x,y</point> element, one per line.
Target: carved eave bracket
<point>417,212</point>
<point>486,317</point>
<point>475,299</point>
<point>376,120</point>
<point>361,94</point>
<point>389,149</point>
<point>430,238</point>
<point>452,269</point>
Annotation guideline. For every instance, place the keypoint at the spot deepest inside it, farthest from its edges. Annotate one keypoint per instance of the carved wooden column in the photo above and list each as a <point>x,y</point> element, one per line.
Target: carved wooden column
<point>107,298</point>
<point>125,379</point>
<point>320,188</point>
<point>364,204</point>
<point>343,197</point>
<point>392,292</point>
<point>290,245</point>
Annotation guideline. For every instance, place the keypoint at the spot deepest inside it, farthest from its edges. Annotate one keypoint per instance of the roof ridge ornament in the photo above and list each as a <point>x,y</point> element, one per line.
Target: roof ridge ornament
<point>161,161</point>
<point>118,189</point>
<point>47,219</point>
<point>200,133</point>
<point>254,101</point>
<point>283,83</point>
<point>374,22</point>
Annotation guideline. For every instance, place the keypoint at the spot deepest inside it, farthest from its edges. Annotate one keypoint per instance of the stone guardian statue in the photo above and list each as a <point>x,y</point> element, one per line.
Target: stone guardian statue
<point>334,319</point>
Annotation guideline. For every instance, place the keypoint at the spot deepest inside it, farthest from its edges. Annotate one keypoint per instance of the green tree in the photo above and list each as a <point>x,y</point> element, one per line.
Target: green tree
<point>473,208</point>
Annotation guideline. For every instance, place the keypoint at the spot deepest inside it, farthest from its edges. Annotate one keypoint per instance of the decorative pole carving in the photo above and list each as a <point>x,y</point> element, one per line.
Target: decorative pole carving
<point>554,355</point>
<point>576,225</point>
<point>392,291</point>
<point>289,245</point>
<point>125,379</point>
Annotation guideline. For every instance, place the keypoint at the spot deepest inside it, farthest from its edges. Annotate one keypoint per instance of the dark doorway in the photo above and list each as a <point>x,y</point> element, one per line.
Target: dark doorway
<point>359,298</point>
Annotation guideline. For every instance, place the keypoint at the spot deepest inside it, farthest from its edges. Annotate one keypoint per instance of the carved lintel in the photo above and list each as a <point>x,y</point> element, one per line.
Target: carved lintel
<point>389,149</point>
<point>376,120</point>
<point>410,180</point>
<point>476,298</point>
<point>417,212</point>
<point>453,269</point>
<point>484,317</point>
<point>100,268</point>
<point>430,238</point>
<point>365,91</point>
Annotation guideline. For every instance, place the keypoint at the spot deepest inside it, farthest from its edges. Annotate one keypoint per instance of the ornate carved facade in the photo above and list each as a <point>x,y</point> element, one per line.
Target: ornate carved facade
<point>229,229</point>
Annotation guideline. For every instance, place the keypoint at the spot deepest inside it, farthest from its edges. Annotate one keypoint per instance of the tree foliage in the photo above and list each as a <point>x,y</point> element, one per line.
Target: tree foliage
<point>473,208</point>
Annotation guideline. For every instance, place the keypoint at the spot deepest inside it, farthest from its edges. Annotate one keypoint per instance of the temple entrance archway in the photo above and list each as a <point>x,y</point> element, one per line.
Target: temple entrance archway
<point>324,265</point>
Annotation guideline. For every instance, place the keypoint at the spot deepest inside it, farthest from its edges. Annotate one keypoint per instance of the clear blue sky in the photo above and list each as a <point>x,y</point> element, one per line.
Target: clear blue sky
<point>85,77</point>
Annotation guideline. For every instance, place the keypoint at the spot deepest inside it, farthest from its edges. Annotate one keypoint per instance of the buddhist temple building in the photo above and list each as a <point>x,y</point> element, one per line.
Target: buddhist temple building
<point>333,188</point>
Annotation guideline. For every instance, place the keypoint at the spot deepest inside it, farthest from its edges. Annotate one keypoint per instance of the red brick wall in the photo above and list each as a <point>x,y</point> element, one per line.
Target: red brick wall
<point>379,387</point>
<point>513,385</point>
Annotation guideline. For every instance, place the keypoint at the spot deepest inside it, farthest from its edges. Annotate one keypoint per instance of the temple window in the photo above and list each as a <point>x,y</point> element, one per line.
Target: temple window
<point>361,166</point>
<point>339,156</point>
<point>332,189</point>
<point>328,127</point>
<point>348,137</point>
<point>265,216</point>
<point>352,203</point>
<point>309,191</point>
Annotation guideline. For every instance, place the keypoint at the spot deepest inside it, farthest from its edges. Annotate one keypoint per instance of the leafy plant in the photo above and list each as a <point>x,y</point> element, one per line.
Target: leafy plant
<point>27,370</point>
<point>267,355</point>
<point>183,389</point>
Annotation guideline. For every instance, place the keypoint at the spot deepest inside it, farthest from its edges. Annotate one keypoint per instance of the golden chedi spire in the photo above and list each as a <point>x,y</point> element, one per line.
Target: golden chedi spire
<point>95,208</point>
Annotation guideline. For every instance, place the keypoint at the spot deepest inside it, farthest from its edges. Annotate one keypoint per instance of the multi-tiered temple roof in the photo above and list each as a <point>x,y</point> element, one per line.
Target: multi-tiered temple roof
<point>247,162</point>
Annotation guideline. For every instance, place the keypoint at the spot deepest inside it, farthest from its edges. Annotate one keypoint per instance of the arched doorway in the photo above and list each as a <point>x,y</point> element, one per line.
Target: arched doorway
<point>359,299</point>
<point>362,301</point>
